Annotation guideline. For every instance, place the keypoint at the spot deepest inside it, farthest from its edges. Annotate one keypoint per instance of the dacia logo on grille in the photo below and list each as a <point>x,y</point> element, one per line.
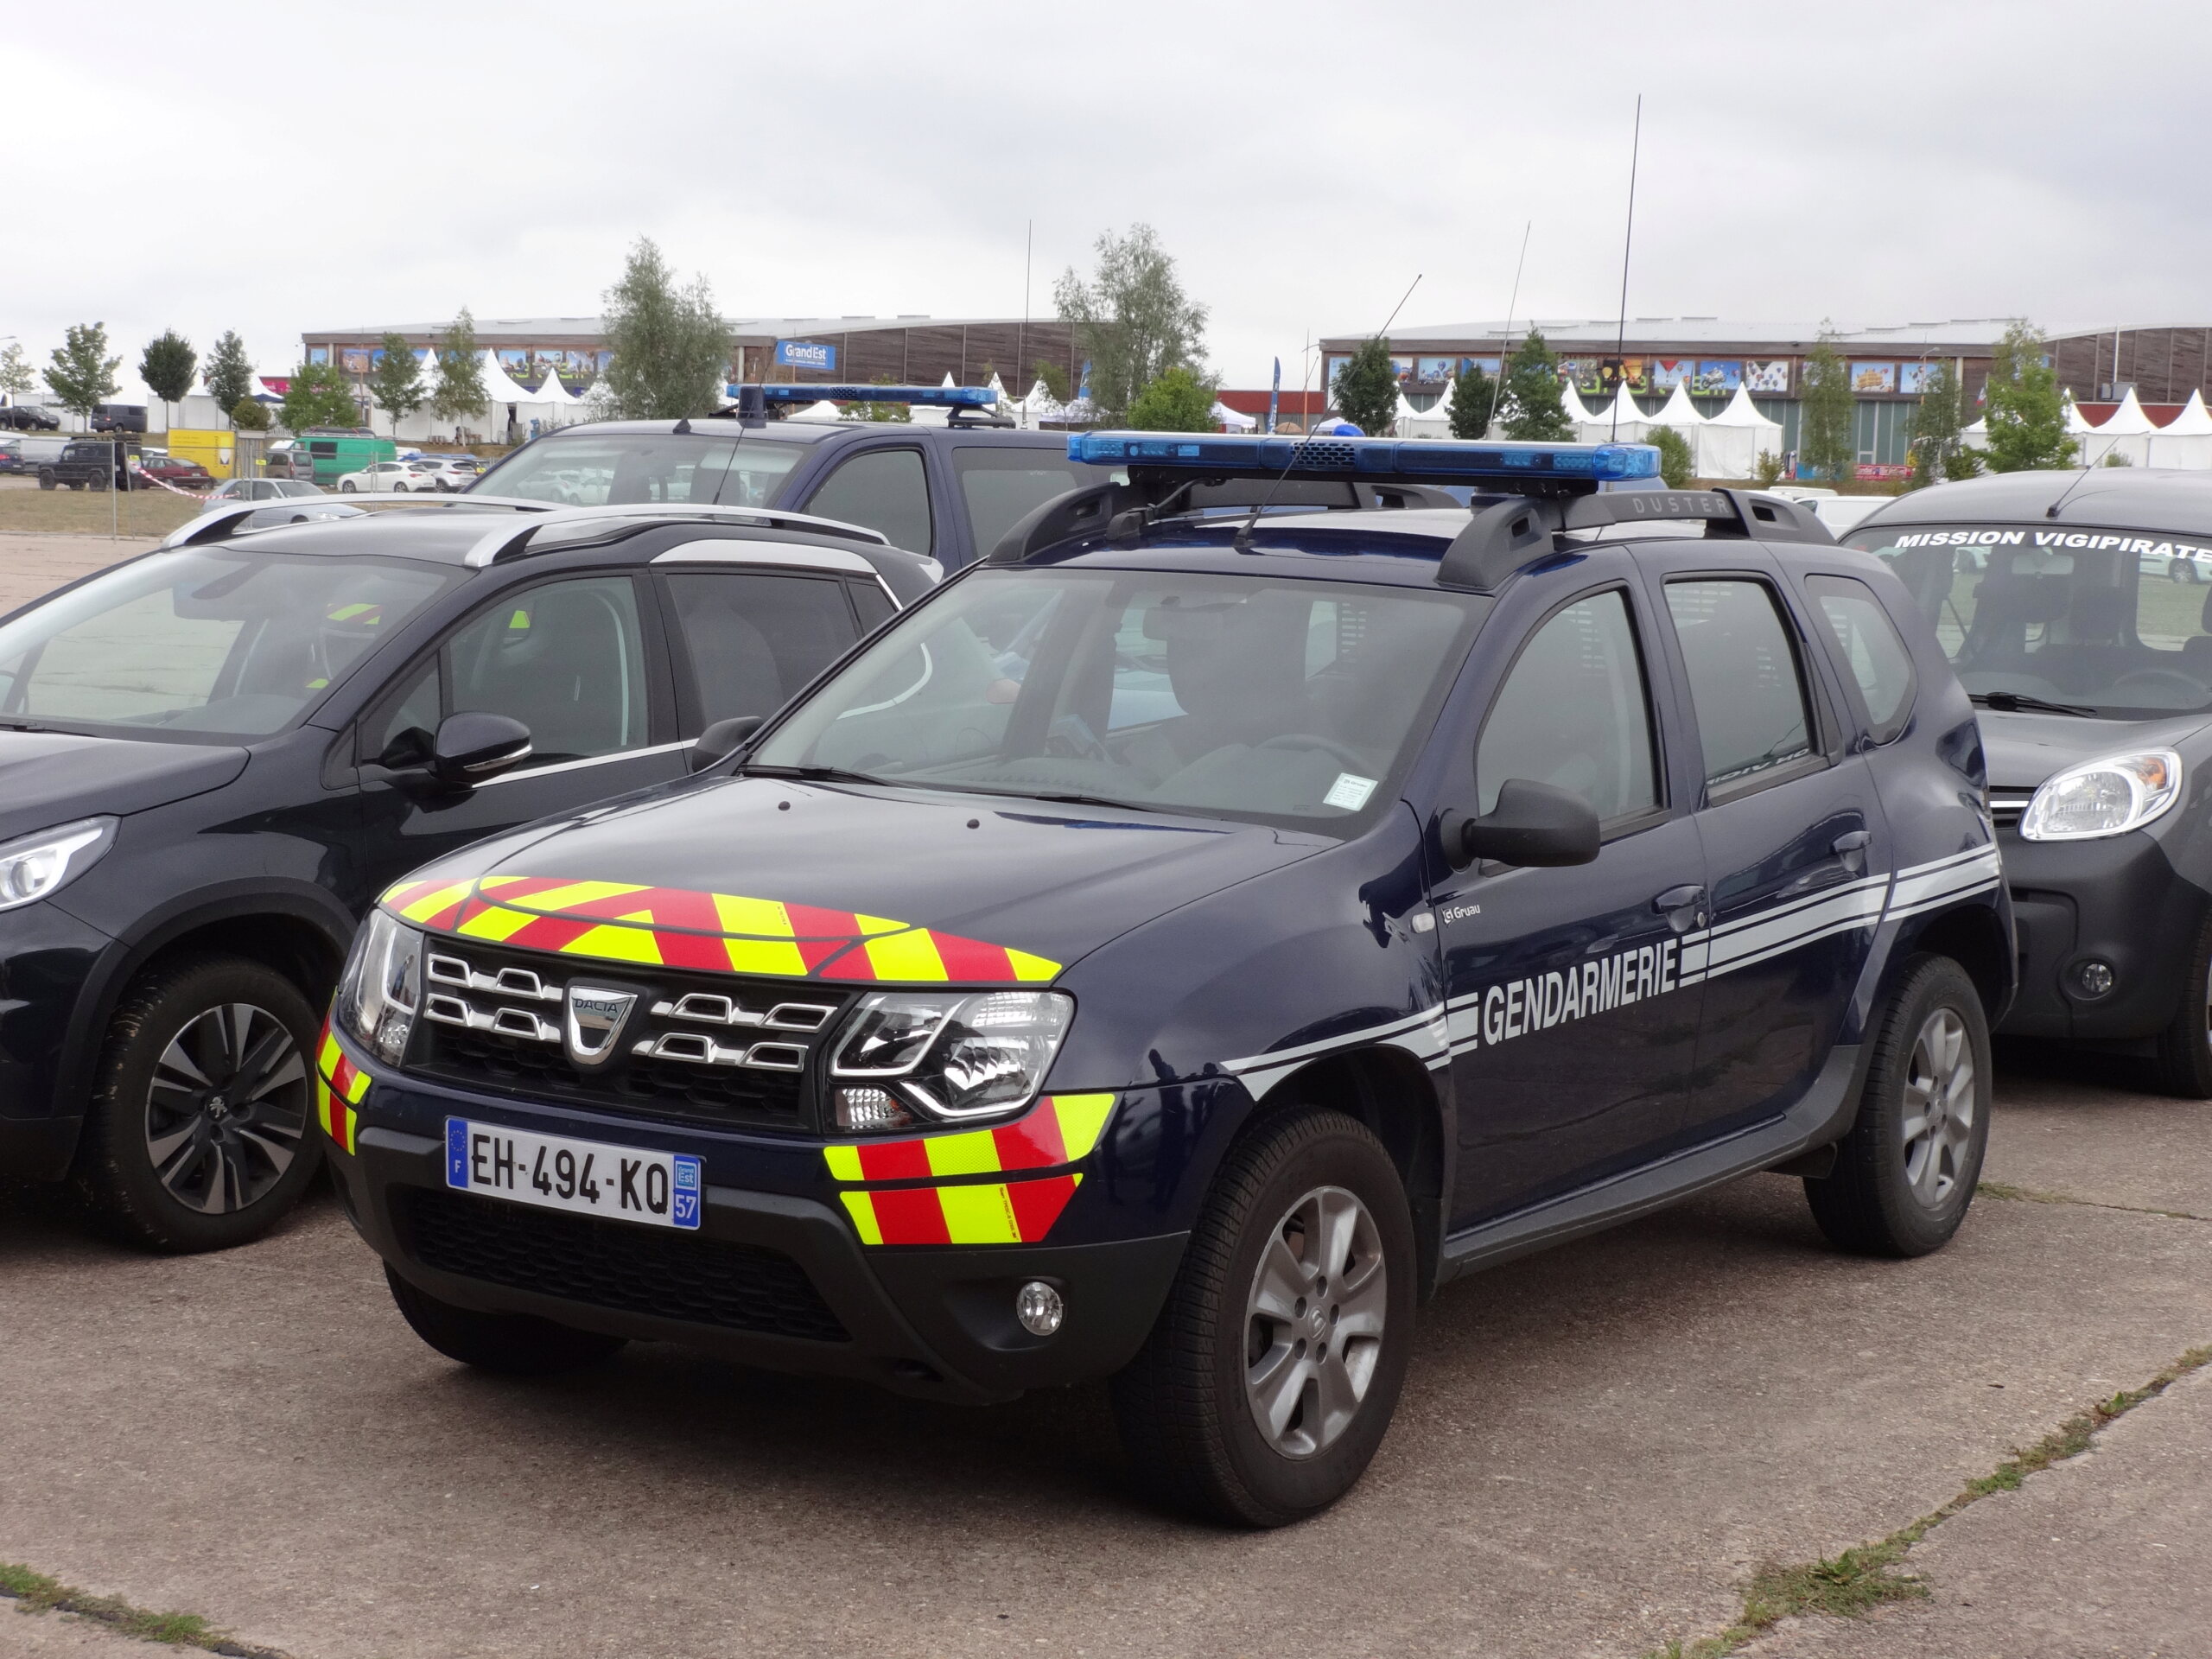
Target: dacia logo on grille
<point>594,1018</point>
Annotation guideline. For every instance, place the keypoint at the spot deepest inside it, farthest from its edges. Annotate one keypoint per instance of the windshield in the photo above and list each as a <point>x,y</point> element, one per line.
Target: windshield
<point>592,469</point>
<point>1290,703</point>
<point>203,642</point>
<point>2114,623</point>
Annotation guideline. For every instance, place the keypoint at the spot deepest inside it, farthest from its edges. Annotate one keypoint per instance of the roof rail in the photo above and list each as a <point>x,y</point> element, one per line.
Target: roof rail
<point>220,523</point>
<point>512,540</point>
<point>1503,539</point>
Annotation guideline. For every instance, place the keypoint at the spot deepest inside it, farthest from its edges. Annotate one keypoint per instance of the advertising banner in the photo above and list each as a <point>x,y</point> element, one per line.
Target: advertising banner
<point>1432,369</point>
<point>1667,372</point>
<point>806,354</point>
<point>1873,377</point>
<point>1717,377</point>
<point>1913,378</point>
<point>1771,375</point>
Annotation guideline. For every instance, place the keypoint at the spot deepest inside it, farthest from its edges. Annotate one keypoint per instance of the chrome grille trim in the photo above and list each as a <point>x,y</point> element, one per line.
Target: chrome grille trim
<point>710,1009</point>
<point>700,1049</point>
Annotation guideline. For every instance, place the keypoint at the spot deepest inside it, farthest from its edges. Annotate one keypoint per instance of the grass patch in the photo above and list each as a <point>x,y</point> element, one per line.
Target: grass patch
<point>92,512</point>
<point>34,1592</point>
<point>1851,1585</point>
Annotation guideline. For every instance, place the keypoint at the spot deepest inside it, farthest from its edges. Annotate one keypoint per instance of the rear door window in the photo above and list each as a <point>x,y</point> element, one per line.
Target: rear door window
<point>1871,650</point>
<point>1745,685</point>
<point>754,638</point>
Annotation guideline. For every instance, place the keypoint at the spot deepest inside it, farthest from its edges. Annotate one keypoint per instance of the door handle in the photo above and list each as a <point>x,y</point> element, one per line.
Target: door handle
<point>1682,906</point>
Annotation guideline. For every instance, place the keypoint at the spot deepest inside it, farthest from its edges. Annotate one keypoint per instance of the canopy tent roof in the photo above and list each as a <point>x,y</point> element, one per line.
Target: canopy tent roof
<point>1234,420</point>
<point>500,387</point>
<point>2075,424</point>
<point>1622,420</point>
<point>1728,444</point>
<point>2128,421</point>
<point>2195,420</point>
<point>1570,401</point>
<point>554,392</point>
<point>1742,412</point>
<point>2186,440</point>
<point>1678,411</point>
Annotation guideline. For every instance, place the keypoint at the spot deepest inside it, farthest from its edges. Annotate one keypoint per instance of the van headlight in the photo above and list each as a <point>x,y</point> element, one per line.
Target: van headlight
<point>382,987</point>
<point>948,1057</point>
<point>2106,796</point>
<point>37,866</point>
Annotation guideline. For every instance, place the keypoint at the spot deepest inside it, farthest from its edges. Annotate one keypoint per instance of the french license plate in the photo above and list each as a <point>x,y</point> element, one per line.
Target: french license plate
<point>660,1189</point>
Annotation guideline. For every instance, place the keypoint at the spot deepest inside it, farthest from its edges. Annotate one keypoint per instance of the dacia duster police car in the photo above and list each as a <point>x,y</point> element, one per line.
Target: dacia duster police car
<point>1183,940</point>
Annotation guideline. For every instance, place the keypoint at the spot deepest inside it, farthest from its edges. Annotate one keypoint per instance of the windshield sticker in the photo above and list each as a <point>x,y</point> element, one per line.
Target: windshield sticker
<point>1350,791</point>
<point>2089,541</point>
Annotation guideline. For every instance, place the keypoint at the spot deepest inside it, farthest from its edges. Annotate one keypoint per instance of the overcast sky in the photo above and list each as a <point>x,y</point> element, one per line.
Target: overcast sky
<point>272,170</point>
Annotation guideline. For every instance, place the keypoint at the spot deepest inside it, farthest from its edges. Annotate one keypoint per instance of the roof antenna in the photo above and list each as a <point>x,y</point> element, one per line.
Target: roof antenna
<point>1628,238</point>
<point>1242,542</point>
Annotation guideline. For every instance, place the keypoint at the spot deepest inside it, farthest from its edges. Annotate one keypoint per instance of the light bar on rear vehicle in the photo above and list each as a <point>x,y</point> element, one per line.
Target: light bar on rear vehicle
<point>1436,460</point>
<point>930,397</point>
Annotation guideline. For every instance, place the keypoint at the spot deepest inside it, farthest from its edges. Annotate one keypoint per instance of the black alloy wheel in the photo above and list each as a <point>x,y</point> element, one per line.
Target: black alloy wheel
<point>202,1131</point>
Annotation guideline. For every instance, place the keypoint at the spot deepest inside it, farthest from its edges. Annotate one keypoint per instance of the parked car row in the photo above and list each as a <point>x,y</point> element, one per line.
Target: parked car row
<point>24,417</point>
<point>1254,890</point>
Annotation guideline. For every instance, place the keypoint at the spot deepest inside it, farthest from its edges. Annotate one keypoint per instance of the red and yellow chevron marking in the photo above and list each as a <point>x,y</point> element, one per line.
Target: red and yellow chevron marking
<point>1059,1129</point>
<point>717,932</point>
<point>338,1087</point>
<point>995,1213</point>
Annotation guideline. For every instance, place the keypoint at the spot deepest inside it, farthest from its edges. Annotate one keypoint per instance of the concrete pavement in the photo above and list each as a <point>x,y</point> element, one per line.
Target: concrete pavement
<point>1595,1446</point>
<point>33,564</point>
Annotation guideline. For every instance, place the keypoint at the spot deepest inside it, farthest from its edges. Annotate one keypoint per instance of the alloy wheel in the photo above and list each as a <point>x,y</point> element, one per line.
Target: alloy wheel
<point>1313,1322</point>
<point>1939,1107</point>
<point>227,1108</point>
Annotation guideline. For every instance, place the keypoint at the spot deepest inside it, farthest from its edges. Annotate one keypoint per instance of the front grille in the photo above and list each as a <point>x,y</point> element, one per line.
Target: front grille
<point>694,1046</point>
<point>2005,806</point>
<point>616,1264</point>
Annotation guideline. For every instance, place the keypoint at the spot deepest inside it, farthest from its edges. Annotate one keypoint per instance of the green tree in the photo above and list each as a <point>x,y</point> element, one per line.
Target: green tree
<point>1365,391</point>
<point>82,374</point>
<point>1535,410</point>
<point>1936,423</point>
<point>250,415</point>
<point>1474,400</point>
<point>1056,385</point>
<point>320,396</point>
<point>1768,469</point>
<point>458,387</point>
<point>887,412</point>
<point>396,382</point>
<point>230,370</point>
<point>167,364</point>
<point>1828,446</point>
<point>1175,401</point>
<point>671,344</point>
<point>2027,417</point>
<point>1132,318</point>
<point>1961,463</point>
<point>15,375</point>
<point>1677,461</point>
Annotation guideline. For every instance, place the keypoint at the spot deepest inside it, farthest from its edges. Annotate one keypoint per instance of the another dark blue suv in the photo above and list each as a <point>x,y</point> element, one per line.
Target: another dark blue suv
<point>1188,937</point>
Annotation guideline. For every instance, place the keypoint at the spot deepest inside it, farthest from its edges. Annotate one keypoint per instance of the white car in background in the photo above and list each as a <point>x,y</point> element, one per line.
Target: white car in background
<point>384,477</point>
<point>451,473</point>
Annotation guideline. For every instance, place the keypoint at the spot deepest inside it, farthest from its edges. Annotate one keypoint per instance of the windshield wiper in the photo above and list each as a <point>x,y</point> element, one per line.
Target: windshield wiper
<point>32,726</point>
<point>2021,702</point>
<point>811,774</point>
<point>1057,797</point>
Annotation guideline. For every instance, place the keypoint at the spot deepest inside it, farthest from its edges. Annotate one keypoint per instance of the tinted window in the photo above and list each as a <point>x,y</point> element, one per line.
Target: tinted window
<point>566,659</point>
<point>1743,675</point>
<point>1574,713</point>
<point>1872,650</point>
<point>884,490</point>
<point>615,468</point>
<point>754,639</point>
<point>1001,484</point>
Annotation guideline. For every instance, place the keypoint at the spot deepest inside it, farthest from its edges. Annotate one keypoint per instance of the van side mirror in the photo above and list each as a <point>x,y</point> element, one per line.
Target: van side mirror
<point>472,746</point>
<point>723,738</point>
<point>1533,824</point>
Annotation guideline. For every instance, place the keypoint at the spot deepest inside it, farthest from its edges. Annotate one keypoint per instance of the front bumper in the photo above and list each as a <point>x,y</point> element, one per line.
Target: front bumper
<point>776,1275</point>
<point>2117,901</point>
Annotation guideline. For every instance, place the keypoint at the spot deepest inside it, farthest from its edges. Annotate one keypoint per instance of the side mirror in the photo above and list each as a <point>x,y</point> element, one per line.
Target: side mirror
<point>472,747</point>
<point>723,739</point>
<point>1533,824</point>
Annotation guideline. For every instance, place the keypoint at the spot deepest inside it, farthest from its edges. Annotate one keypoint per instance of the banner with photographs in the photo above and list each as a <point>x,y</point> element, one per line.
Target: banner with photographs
<point>1404,368</point>
<point>1718,377</point>
<point>1873,377</point>
<point>1770,375</point>
<point>1431,371</point>
<point>1915,377</point>
<point>1667,372</point>
<point>1492,366</point>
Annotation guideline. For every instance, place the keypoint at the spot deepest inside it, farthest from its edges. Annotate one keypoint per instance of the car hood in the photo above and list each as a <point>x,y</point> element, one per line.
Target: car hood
<point>2024,749</point>
<point>49,777</point>
<point>802,880</point>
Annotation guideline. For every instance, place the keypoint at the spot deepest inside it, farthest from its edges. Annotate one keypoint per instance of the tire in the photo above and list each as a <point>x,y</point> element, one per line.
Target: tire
<point>45,480</point>
<point>1905,1176</point>
<point>513,1345</point>
<point>399,489</point>
<point>2184,1055</point>
<point>202,1132</point>
<point>1188,1406</point>
<point>346,487</point>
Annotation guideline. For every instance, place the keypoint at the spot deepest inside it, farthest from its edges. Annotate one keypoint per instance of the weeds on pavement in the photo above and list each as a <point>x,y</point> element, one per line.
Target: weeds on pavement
<point>34,1592</point>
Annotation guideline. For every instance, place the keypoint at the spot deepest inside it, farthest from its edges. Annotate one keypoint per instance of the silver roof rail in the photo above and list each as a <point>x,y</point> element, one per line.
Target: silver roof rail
<point>232,518</point>
<point>509,540</point>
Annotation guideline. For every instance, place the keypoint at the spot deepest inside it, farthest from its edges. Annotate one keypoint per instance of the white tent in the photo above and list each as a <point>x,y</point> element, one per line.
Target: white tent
<point>1681,414</point>
<point>1234,420</point>
<point>1977,435</point>
<point>2126,432</point>
<point>1619,421</point>
<point>2186,440</point>
<point>934,416</point>
<point>1571,404</point>
<point>1728,444</point>
<point>1410,423</point>
<point>822,410</point>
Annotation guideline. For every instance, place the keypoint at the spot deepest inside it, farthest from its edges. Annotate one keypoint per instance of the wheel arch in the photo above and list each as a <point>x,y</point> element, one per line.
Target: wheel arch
<point>1974,937</point>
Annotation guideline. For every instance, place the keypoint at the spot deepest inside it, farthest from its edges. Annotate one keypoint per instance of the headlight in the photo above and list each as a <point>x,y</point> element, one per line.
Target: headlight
<point>35,866</point>
<point>382,987</point>
<point>2107,797</point>
<point>944,1057</point>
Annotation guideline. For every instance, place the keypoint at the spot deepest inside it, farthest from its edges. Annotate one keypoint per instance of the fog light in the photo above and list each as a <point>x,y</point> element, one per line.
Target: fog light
<point>1039,1308</point>
<point>860,1110</point>
<point>2095,978</point>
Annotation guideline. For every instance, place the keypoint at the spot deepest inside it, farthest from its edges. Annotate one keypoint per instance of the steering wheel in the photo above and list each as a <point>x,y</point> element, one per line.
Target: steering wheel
<point>2173,676</point>
<point>1328,746</point>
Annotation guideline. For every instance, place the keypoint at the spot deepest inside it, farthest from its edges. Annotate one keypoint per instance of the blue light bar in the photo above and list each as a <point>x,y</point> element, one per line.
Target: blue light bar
<point>931,397</point>
<point>1440,460</point>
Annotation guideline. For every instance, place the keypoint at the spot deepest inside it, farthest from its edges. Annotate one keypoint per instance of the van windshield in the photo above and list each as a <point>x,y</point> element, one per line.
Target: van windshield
<point>1282,701</point>
<point>201,644</point>
<point>592,469</point>
<point>2112,623</point>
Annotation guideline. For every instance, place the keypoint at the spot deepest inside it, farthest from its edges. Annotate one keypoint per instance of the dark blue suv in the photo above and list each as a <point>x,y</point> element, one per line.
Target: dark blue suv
<point>1180,944</point>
